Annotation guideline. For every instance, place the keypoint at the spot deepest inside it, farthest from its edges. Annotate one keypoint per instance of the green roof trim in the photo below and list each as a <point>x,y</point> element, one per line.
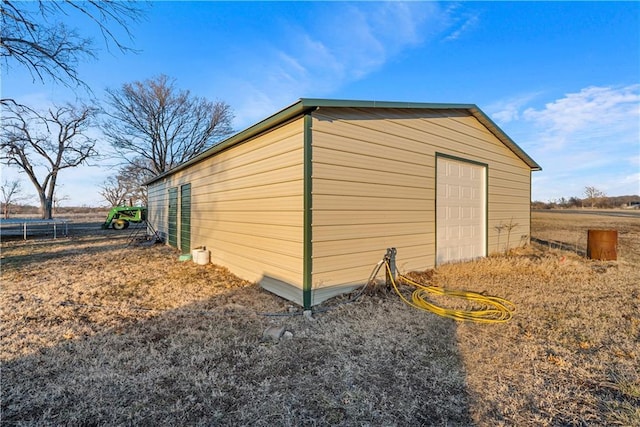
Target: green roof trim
<point>506,140</point>
<point>305,105</point>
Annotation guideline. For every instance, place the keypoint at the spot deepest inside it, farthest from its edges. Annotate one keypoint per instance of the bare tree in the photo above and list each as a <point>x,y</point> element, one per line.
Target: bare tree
<point>114,191</point>
<point>57,200</point>
<point>134,175</point>
<point>158,126</point>
<point>51,141</point>
<point>33,36</point>
<point>11,192</point>
<point>593,195</point>
<point>127,186</point>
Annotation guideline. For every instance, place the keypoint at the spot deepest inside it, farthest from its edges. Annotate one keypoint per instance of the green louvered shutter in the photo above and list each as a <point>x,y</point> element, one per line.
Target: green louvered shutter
<point>185,218</point>
<point>173,218</point>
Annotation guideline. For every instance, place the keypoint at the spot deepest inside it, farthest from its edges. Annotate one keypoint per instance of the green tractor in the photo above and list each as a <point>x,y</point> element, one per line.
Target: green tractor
<point>121,216</point>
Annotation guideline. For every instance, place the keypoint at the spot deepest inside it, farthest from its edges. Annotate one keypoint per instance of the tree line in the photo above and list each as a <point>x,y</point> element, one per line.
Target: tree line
<point>151,125</point>
<point>593,198</point>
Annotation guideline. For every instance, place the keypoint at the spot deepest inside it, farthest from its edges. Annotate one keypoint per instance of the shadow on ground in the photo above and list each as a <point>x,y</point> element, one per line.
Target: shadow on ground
<point>373,362</point>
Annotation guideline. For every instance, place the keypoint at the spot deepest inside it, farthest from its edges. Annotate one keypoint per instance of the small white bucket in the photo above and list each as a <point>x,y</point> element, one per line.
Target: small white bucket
<point>194,253</point>
<point>201,256</point>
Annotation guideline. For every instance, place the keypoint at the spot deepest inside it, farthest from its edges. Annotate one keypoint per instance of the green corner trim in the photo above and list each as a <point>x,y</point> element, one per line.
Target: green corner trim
<point>307,262</point>
<point>530,213</point>
<point>486,210</point>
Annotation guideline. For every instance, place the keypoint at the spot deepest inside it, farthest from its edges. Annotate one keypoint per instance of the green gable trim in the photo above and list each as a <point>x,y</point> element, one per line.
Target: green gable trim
<point>340,103</point>
<point>307,251</point>
<point>506,140</point>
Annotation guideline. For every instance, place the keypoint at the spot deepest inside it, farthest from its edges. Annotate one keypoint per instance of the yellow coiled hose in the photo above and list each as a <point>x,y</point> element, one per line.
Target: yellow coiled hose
<point>493,309</point>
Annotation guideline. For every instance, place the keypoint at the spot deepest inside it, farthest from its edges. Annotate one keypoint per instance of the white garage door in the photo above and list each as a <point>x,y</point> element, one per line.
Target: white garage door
<point>461,210</point>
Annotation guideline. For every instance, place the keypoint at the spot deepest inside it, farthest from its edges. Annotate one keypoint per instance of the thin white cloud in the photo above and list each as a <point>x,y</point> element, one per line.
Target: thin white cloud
<point>466,26</point>
<point>508,110</point>
<point>631,180</point>
<point>586,138</point>
<point>634,159</point>
<point>457,22</point>
<point>339,43</point>
<point>593,116</point>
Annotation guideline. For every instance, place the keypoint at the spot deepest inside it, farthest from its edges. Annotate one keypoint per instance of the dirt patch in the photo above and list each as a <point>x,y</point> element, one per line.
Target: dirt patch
<point>96,331</point>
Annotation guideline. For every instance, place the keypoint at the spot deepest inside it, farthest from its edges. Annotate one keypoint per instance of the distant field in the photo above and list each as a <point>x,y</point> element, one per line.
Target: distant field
<point>97,331</point>
<point>571,229</point>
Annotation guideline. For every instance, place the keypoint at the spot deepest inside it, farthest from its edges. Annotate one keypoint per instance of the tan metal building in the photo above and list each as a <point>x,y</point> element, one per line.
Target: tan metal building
<point>306,201</point>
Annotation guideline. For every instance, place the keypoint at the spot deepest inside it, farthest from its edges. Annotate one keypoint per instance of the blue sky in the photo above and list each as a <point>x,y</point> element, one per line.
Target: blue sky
<point>562,79</point>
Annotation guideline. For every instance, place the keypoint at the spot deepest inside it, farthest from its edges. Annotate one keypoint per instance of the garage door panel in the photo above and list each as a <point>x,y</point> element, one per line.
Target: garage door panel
<point>461,202</point>
<point>467,232</point>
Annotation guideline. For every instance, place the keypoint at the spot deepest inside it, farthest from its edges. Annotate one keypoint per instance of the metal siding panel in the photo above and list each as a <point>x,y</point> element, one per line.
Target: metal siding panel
<point>252,178</point>
<point>355,217</point>
<point>373,243</point>
<point>265,190</point>
<point>272,261</point>
<point>424,134</point>
<point>394,150</point>
<point>332,269</point>
<point>376,173</point>
<point>259,230</point>
<point>508,188</point>
<point>370,193</point>
<point>345,188</point>
<point>157,208</point>
<point>257,183</point>
<point>387,152</point>
<point>343,233</point>
<point>257,205</point>
<point>283,289</point>
<point>382,204</point>
<point>240,171</point>
<point>216,218</point>
<point>355,268</point>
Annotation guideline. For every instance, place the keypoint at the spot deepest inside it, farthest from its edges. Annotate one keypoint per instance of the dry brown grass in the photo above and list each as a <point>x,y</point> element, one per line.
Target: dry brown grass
<point>95,332</point>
